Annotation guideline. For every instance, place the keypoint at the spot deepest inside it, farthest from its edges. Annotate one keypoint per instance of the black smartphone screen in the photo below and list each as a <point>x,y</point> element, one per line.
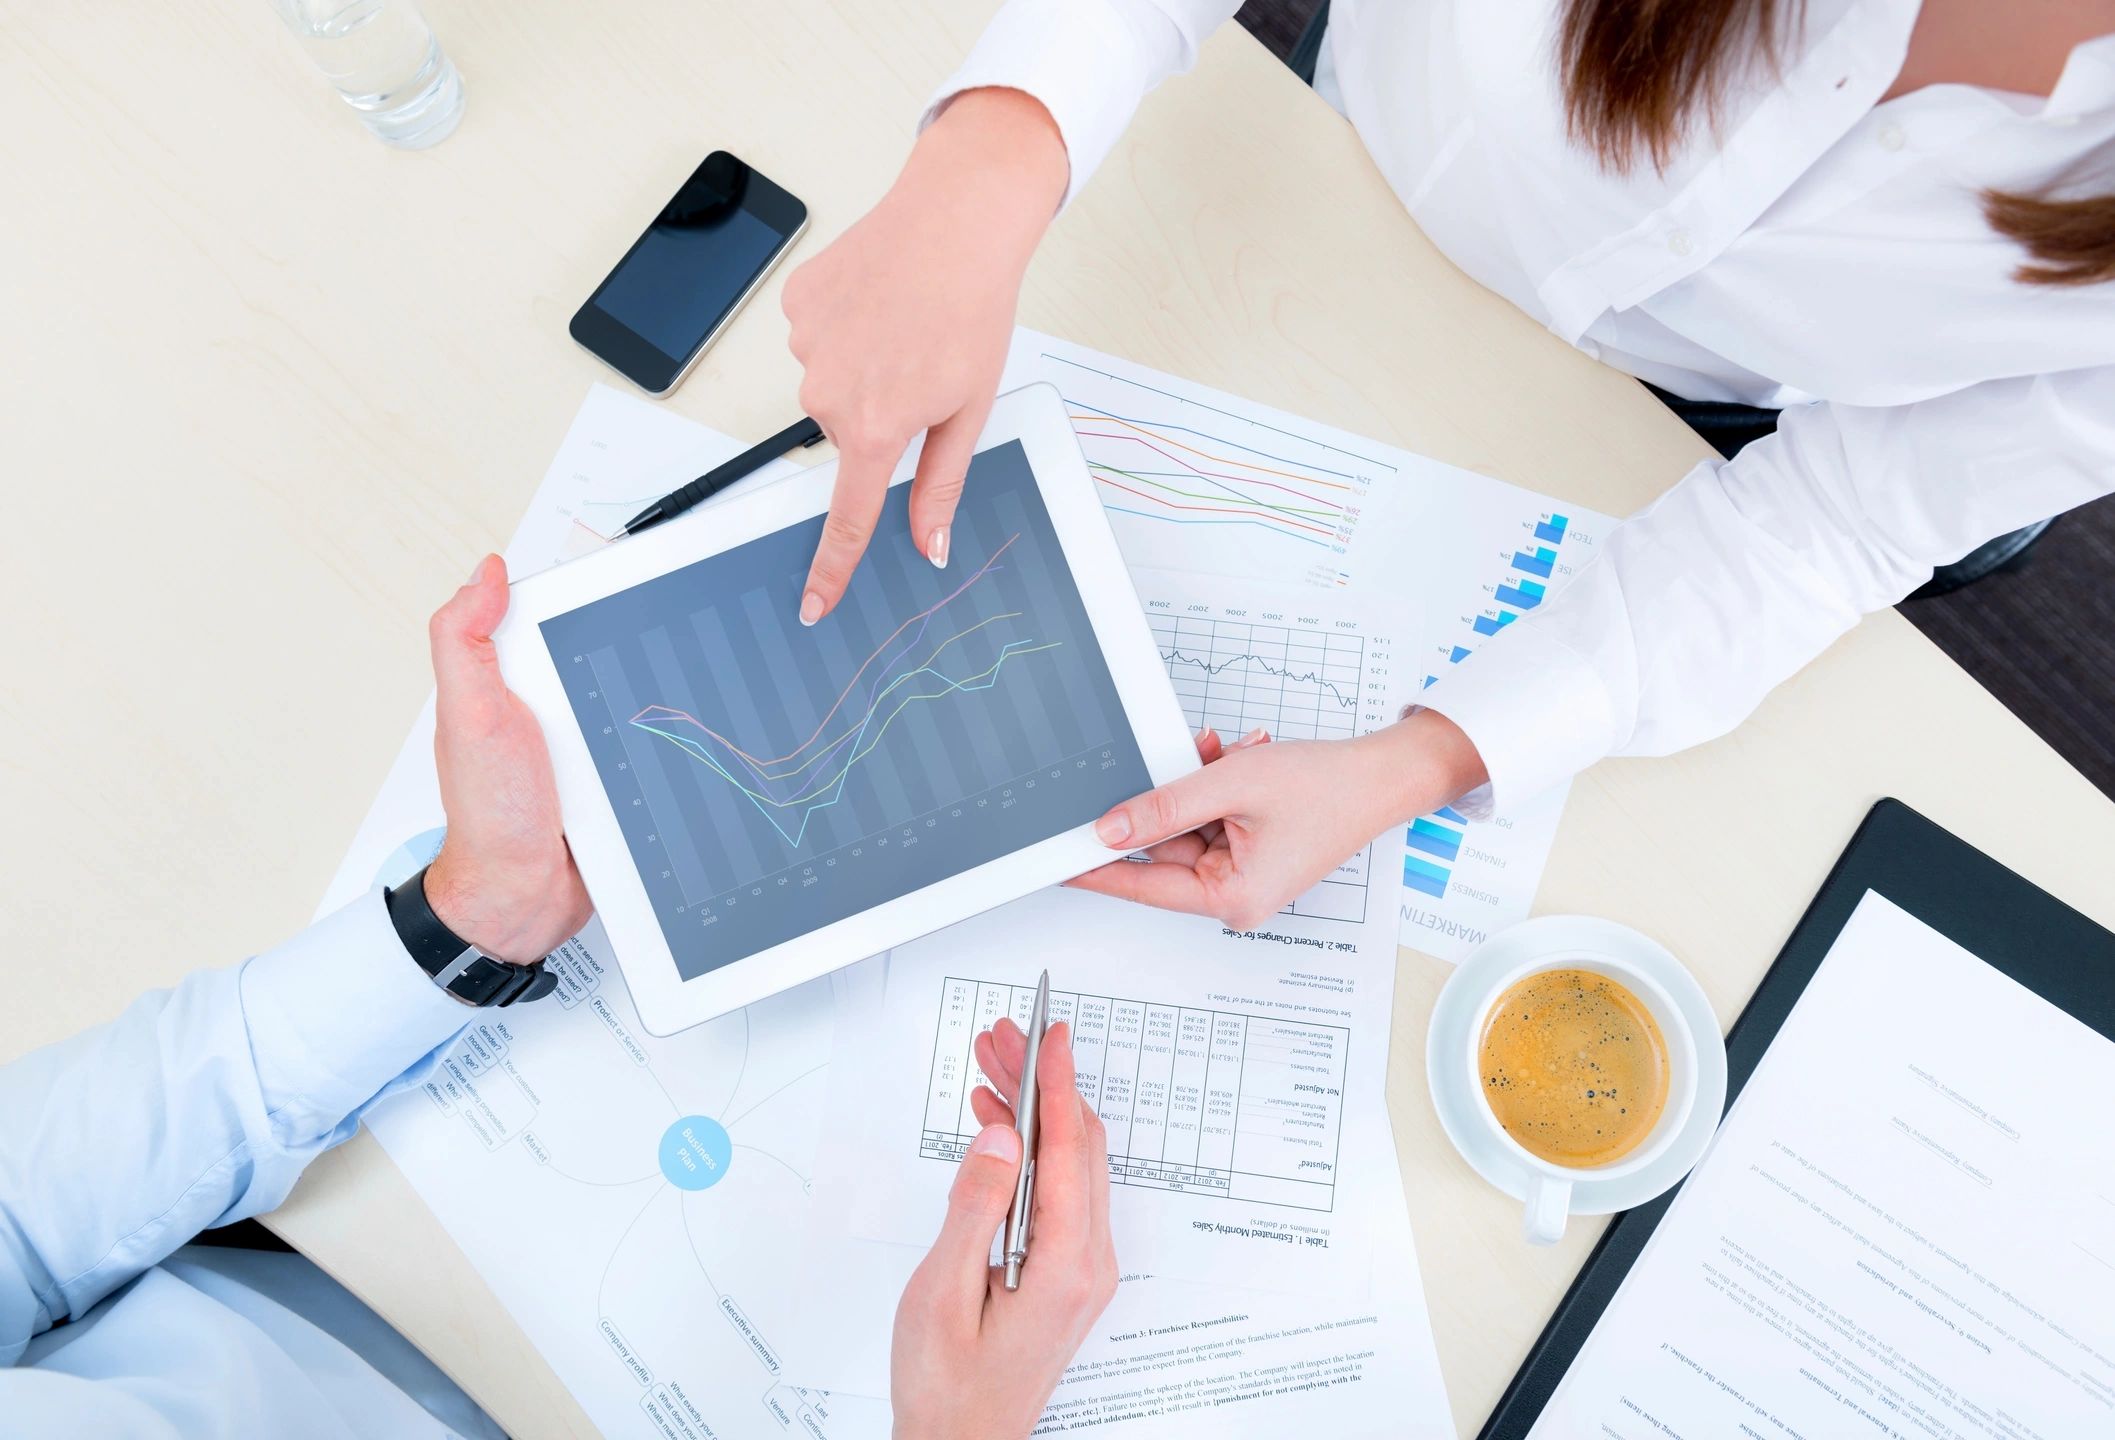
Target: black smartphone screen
<point>688,273</point>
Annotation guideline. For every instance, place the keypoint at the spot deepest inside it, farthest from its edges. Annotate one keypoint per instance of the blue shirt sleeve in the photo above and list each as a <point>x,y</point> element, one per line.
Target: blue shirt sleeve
<point>198,1106</point>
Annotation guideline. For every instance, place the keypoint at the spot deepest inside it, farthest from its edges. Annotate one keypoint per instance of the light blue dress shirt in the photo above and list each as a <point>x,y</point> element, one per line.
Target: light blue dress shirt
<point>196,1107</point>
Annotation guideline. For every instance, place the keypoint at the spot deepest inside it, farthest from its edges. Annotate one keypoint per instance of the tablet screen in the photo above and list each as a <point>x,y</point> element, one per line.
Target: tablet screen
<point>771,779</point>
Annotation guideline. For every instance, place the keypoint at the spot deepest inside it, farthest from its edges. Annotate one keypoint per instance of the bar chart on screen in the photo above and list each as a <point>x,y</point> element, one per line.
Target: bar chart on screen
<point>1296,663</point>
<point>1194,479</point>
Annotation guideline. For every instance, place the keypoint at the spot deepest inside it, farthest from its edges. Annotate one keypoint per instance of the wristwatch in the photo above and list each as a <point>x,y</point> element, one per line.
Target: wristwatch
<point>456,965</point>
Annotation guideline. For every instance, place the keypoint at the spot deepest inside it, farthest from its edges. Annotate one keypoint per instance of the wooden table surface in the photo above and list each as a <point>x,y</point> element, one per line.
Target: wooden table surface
<point>270,386</point>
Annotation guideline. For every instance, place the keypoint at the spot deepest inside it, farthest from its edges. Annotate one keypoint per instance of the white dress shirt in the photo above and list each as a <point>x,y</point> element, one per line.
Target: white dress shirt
<point>1820,251</point>
<point>195,1107</point>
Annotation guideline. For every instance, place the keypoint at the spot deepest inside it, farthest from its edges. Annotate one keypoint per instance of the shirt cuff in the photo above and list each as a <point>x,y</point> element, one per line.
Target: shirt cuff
<point>337,1013</point>
<point>1535,710</point>
<point>1080,58</point>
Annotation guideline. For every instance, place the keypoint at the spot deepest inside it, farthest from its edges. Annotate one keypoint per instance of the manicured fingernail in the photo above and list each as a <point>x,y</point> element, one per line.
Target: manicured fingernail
<point>810,608</point>
<point>1002,1141</point>
<point>936,548</point>
<point>1113,828</point>
<point>1204,734</point>
<point>1254,737</point>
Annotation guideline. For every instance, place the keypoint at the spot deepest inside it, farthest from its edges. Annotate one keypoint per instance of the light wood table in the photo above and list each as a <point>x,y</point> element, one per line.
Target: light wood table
<point>270,386</point>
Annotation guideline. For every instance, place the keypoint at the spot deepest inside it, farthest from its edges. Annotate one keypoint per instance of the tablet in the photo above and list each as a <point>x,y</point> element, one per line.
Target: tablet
<point>753,803</point>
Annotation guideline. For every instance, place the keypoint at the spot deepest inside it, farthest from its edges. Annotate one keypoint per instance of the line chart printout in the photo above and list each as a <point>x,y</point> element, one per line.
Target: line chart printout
<point>770,779</point>
<point>1194,479</point>
<point>1212,1100</point>
<point>1297,663</point>
<point>638,1205</point>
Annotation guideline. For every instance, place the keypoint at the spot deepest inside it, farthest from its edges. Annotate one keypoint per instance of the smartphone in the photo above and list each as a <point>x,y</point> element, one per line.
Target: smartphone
<point>690,273</point>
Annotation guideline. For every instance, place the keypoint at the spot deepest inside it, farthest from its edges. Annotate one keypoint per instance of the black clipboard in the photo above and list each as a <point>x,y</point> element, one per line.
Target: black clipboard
<point>1944,881</point>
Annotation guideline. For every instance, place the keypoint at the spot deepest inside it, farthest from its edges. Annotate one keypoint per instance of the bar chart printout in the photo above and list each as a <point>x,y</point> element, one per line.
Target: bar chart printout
<point>1462,879</point>
<point>1433,845</point>
<point>1213,1102</point>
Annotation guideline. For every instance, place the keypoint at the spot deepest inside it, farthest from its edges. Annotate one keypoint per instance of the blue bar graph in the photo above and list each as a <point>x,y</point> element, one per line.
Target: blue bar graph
<point>1538,563</point>
<point>1552,529</point>
<point>1434,839</point>
<point>1485,625</point>
<point>1461,653</point>
<point>1508,595</point>
<point>1424,877</point>
<point>1448,812</point>
<point>1430,681</point>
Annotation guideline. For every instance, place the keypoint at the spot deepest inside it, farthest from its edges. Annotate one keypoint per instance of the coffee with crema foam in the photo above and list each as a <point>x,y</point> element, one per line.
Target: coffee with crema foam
<point>1574,1067</point>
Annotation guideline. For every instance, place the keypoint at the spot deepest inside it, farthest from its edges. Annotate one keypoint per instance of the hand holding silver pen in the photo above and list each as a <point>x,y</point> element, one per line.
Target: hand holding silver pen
<point>973,1355</point>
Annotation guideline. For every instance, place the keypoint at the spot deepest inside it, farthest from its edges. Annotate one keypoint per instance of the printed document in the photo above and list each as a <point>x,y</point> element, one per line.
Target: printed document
<point>1240,1078</point>
<point>1168,1358</point>
<point>1905,1227</point>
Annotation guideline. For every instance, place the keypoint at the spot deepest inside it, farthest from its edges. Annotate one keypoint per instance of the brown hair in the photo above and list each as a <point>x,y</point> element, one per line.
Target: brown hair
<point>1638,72</point>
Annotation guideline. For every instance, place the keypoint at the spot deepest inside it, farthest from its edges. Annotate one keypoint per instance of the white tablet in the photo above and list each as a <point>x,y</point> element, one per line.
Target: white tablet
<point>753,803</point>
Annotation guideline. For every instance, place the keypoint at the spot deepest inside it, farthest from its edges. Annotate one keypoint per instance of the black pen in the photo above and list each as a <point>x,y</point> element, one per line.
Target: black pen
<point>713,481</point>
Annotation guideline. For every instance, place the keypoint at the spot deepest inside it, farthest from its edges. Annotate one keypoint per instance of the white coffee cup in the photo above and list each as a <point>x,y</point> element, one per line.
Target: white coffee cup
<point>1549,1186</point>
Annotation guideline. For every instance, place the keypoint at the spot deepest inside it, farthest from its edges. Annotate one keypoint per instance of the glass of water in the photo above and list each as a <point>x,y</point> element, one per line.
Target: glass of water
<point>386,63</point>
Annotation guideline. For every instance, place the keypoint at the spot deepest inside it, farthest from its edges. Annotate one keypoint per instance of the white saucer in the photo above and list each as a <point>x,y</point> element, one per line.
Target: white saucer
<point>1583,935</point>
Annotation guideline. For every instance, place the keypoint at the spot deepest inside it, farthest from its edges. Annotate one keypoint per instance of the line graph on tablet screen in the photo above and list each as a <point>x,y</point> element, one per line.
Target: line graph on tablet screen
<point>788,790</point>
<point>771,777</point>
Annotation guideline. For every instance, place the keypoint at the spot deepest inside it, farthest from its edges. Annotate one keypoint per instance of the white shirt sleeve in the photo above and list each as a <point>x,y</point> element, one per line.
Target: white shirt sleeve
<point>1704,601</point>
<point>1089,61</point>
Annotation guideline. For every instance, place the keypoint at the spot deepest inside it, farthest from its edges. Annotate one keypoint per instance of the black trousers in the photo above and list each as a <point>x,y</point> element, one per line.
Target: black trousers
<point>1725,426</point>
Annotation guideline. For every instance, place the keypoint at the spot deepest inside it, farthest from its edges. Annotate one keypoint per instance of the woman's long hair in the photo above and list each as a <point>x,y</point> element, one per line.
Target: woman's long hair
<point>1639,73</point>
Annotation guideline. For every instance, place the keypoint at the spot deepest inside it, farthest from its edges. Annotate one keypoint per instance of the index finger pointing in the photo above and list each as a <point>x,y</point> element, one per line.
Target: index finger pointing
<point>855,504</point>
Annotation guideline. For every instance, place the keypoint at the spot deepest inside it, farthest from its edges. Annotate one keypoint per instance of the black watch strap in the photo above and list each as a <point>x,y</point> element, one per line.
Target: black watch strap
<point>456,965</point>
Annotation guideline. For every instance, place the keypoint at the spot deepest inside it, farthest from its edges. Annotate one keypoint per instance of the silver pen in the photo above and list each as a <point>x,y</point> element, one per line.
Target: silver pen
<point>1024,1109</point>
